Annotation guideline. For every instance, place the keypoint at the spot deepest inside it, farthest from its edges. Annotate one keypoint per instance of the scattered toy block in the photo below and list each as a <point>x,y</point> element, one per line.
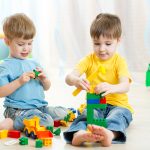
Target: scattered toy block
<point>3,134</point>
<point>23,141</point>
<point>56,123</point>
<point>14,134</point>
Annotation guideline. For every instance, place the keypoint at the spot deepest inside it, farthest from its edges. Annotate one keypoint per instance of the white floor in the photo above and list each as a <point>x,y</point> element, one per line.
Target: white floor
<point>138,134</point>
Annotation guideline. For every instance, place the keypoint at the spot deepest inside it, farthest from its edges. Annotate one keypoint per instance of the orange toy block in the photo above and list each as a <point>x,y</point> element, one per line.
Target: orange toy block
<point>44,134</point>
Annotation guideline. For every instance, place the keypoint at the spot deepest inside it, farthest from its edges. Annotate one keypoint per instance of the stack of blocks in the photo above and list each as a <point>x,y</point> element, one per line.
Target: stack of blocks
<point>95,101</point>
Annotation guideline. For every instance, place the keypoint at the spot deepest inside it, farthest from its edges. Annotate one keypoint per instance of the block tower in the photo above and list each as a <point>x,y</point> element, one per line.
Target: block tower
<point>95,101</point>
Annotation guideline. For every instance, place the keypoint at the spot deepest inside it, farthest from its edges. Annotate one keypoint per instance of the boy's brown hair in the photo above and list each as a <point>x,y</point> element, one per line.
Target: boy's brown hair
<point>19,26</point>
<point>106,25</point>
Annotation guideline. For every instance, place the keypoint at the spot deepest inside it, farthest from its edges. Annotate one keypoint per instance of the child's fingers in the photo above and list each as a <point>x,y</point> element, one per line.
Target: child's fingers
<point>39,69</point>
<point>31,74</point>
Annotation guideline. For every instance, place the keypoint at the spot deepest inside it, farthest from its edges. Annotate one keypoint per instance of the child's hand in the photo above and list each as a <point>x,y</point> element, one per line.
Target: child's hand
<point>25,77</point>
<point>41,75</point>
<point>82,84</point>
<point>105,88</point>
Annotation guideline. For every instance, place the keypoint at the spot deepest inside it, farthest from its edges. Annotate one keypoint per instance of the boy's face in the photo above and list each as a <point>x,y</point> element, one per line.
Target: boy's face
<point>20,48</point>
<point>104,47</point>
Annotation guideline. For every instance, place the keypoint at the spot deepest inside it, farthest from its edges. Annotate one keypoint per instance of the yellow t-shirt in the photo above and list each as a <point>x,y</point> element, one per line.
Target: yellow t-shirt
<point>115,67</point>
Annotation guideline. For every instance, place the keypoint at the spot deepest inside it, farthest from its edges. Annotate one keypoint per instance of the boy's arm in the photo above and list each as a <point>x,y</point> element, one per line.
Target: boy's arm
<point>46,83</point>
<point>122,87</point>
<point>14,85</point>
<point>74,79</point>
<point>9,88</point>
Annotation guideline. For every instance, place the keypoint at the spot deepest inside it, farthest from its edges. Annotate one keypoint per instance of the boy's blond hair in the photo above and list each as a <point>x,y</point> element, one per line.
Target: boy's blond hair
<point>106,25</point>
<point>19,26</point>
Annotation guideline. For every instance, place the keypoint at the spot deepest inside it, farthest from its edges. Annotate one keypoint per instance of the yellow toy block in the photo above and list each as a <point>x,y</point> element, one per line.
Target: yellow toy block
<point>63,123</point>
<point>90,78</point>
<point>3,134</point>
<point>47,141</point>
<point>81,108</point>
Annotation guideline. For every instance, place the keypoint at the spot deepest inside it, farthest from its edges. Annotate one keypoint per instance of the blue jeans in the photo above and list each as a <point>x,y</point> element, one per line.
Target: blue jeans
<point>118,119</point>
<point>46,114</point>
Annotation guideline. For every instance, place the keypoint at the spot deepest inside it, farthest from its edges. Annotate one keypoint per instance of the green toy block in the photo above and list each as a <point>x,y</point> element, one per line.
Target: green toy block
<point>57,131</point>
<point>90,112</point>
<point>100,122</point>
<point>50,128</point>
<point>148,76</point>
<point>67,117</point>
<point>38,143</point>
<point>36,73</point>
<point>93,96</point>
<point>23,141</point>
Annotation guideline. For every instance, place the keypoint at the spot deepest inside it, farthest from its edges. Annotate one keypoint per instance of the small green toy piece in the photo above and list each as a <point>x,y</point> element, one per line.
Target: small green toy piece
<point>36,73</point>
<point>50,128</point>
<point>57,131</point>
<point>23,141</point>
<point>148,76</point>
<point>38,143</point>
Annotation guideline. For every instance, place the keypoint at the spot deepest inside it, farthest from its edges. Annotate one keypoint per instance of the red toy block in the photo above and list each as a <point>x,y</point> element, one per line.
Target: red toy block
<point>14,134</point>
<point>103,100</point>
<point>56,123</point>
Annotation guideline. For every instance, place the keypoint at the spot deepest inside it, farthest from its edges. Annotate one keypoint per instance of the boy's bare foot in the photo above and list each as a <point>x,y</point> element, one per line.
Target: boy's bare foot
<point>84,136</point>
<point>103,132</point>
<point>6,124</point>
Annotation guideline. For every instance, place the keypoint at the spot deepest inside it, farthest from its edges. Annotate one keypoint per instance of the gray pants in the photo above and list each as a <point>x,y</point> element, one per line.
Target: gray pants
<point>46,114</point>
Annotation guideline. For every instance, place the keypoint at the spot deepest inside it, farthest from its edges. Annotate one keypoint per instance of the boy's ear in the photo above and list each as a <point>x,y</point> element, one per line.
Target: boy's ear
<point>7,41</point>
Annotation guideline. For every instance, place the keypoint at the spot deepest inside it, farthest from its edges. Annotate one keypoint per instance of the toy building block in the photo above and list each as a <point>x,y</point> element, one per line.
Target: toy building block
<point>72,116</point>
<point>14,134</point>
<point>148,76</point>
<point>44,134</point>
<point>63,123</point>
<point>92,103</point>
<point>73,110</point>
<point>23,141</point>
<point>57,131</point>
<point>47,141</point>
<point>50,128</point>
<point>90,78</point>
<point>81,109</point>
<point>3,134</point>
<point>38,143</point>
<point>103,100</point>
<point>36,73</point>
<point>56,123</point>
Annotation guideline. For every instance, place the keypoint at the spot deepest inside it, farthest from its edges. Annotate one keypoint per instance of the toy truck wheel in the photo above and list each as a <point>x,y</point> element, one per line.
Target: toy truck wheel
<point>26,133</point>
<point>32,135</point>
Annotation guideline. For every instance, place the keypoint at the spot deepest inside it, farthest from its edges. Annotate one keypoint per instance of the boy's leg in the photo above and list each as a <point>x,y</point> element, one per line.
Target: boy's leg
<point>6,124</point>
<point>45,119</point>
<point>57,113</point>
<point>118,120</point>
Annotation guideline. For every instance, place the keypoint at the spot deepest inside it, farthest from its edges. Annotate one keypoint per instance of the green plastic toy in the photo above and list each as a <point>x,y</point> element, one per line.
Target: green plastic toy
<point>148,76</point>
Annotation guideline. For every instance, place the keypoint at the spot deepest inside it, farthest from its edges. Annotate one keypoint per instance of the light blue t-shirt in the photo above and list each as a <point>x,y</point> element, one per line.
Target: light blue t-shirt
<point>31,94</point>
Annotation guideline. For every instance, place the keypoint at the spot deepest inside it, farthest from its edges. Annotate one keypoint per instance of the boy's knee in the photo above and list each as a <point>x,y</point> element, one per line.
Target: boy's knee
<point>46,120</point>
<point>60,112</point>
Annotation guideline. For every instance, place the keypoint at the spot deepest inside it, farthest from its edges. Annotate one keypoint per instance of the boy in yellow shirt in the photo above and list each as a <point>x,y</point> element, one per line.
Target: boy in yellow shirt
<point>105,33</point>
